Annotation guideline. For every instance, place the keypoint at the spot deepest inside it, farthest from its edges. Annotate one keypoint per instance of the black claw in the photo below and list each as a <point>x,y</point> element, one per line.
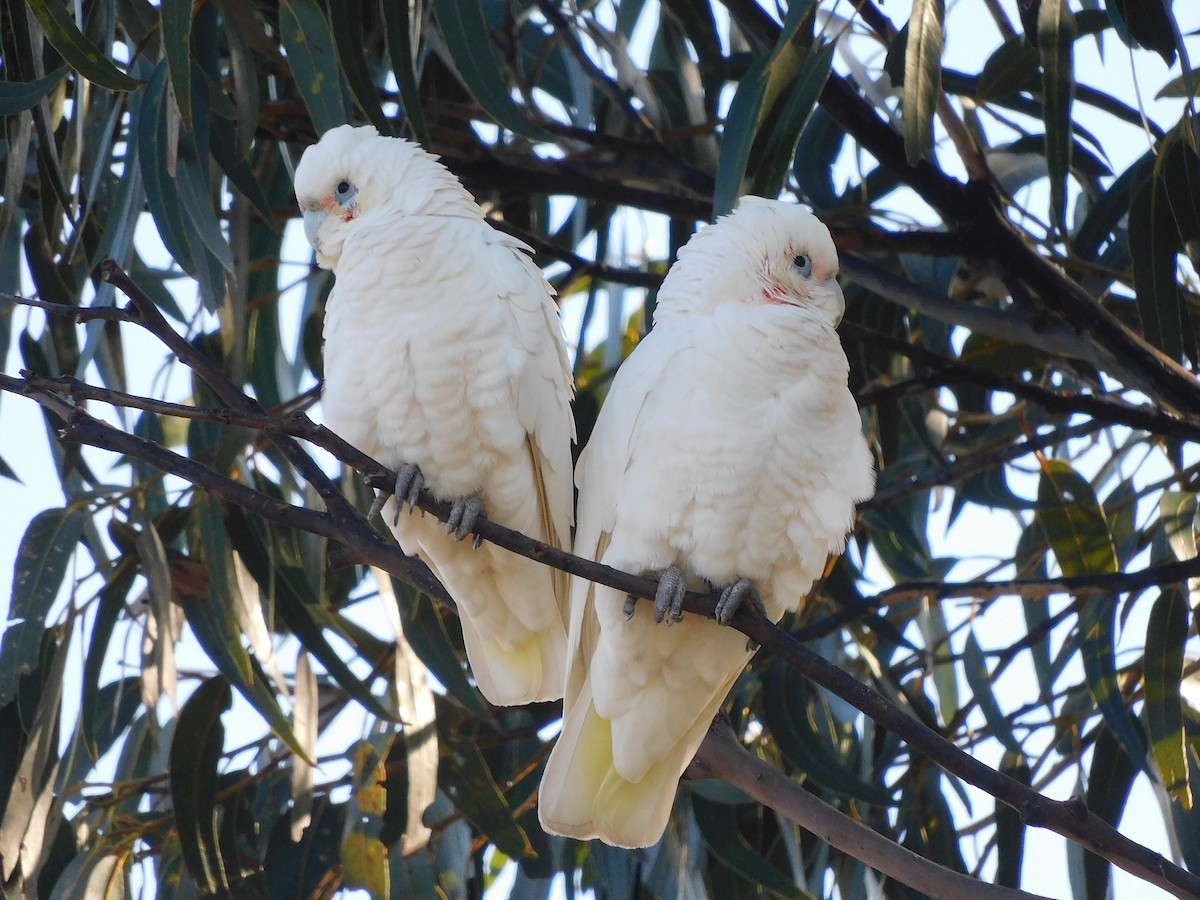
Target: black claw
<point>630,606</point>
<point>377,505</point>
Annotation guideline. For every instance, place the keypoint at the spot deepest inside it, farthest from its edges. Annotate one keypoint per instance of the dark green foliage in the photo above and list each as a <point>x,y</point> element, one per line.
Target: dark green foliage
<point>1019,355</point>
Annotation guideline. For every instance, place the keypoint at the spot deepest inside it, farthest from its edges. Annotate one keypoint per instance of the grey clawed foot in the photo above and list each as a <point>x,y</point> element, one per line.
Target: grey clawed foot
<point>464,514</point>
<point>668,599</point>
<point>741,591</point>
<point>629,607</point>
<point>409,482</point>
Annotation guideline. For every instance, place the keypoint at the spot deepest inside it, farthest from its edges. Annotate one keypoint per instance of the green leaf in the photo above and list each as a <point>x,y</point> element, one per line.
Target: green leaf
<point>196,748</point>
<point>764,82</point>
<point>176,18</point>
<point>922,77</point>
<point>346,22</point>
<point>313,61</point>
<point>1010,830</point>
<point>425,627</point>
<point>400,48</point>
<point>1142,24</point>
<point>775,145</point>
<point>719,827</point>
<point>465,32</point>
<point>1108,783</point>
<point>215,625</point>
<point>975,668</point>
<point>1153,242</point>
<point>16,96</point>
<point>465,776</point>
<point>790,712</point>
<point>42,559</point>
<point>1166,635</point>
<point>1096,650</point>
<point>1056,40</point>
<point>161,192</point>
<point>1073,521</point>
<point>279,568</point>
<point>81,54</point>
<point>1012,67</point>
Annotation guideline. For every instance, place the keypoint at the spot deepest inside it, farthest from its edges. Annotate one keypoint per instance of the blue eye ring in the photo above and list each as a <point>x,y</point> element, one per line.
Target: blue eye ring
<point>803,264</point>
<point>344,191</point>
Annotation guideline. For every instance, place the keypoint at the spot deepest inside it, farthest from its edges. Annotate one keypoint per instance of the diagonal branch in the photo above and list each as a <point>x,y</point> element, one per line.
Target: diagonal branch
<point>722,756</point>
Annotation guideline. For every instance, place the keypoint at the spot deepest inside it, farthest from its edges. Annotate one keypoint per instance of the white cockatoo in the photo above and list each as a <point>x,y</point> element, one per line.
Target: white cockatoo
<point>444,359</point>
<point>729,453</point>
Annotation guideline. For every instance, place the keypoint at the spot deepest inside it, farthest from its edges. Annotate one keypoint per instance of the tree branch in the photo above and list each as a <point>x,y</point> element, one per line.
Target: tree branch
<point>722,756</point>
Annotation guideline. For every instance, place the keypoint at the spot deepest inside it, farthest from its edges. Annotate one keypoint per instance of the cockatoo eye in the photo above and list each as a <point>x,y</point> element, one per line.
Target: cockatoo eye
<point>803,264</point>
<point>344,192</point>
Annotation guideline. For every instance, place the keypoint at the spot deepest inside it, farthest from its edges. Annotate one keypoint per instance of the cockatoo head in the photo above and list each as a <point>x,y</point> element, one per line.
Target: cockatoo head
<point>355,174</point>
<point>764,252</point>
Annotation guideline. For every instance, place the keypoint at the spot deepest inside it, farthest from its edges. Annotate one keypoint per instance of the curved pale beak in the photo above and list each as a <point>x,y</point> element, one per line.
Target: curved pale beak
<point>312,224</point>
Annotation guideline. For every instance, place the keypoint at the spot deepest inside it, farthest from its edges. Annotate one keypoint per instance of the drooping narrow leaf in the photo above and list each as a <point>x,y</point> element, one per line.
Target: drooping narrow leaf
<point>472,788</point>
<point>364,858</point>
<point>775,149</point>
<point>1010,830</point>
<point>760,87</point>
<point>216,629</point>
<point>41,563</point>
<point>719,828</point>
<point>786,712</point>
<point>417,710</point>
<point>80,53</point>
<point>345,20</point>
<point>465,30</point>
<point>1108,783</point>
<point>980,680</point>
<point>311,56</point>
<point>1153,243</point>
<point>1056,41</point>
<point>196,748</point>
<point>16,96</point>
<point>176,22</point>
<point>1073,521</point>
<point>1166,635</point>
<point>400,48</point>
<point>162,196</point>
<point>922,77</point>
<point>1097,641</point>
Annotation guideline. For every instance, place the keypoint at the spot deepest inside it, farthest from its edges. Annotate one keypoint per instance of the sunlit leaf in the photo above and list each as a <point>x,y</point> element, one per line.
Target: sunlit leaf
<point>1073,521</point>
<point>1166,635</point>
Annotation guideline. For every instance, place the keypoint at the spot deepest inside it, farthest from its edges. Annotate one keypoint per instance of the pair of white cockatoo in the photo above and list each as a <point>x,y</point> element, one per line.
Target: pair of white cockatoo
<point>728,453</point>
